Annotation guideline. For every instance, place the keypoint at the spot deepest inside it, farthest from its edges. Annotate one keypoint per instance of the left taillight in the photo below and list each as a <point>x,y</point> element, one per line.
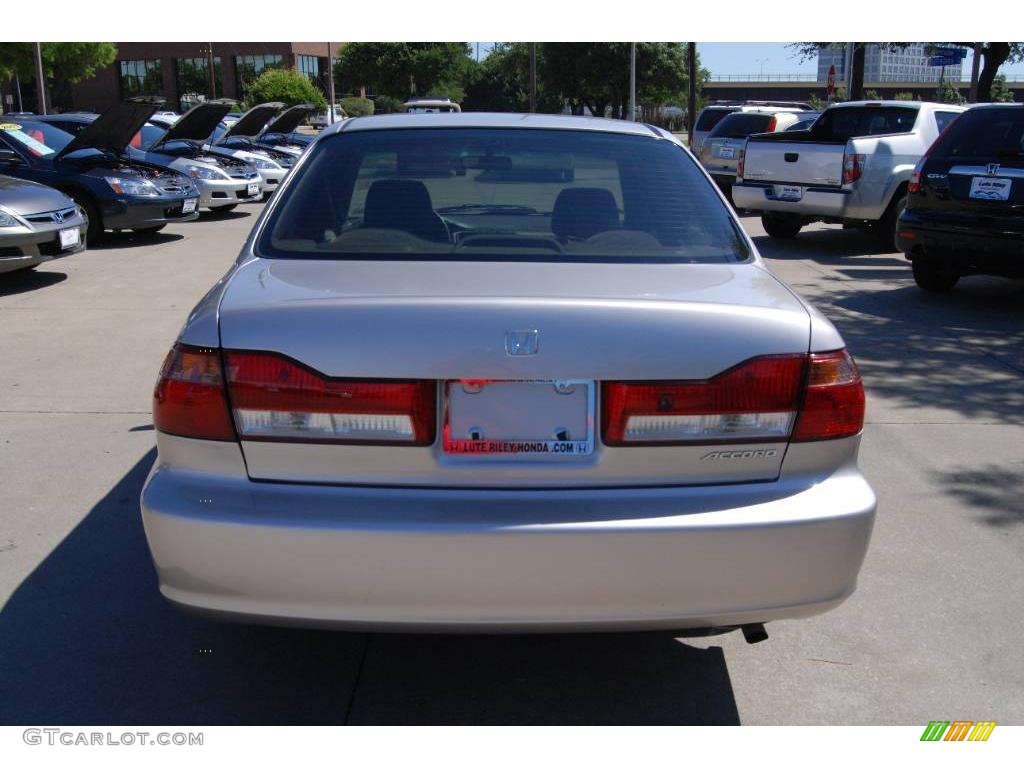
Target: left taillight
<point>189,399</point>
<point>277,399</point>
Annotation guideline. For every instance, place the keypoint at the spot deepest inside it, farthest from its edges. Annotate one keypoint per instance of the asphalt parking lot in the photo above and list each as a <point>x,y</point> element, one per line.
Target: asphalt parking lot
<point>933,631</point>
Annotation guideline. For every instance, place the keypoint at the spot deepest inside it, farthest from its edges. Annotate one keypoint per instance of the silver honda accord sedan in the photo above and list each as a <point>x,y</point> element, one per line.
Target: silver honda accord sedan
<point>447,386</point>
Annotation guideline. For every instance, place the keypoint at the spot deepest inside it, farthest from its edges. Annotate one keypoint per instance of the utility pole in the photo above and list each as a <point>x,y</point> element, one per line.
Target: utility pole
<point>975,69</point>
<point>330,78</point>
<point>632,82</point>
<point>209,69</point>
<point>533,77</point>
<point>40,80</point>
<point>691,90</point>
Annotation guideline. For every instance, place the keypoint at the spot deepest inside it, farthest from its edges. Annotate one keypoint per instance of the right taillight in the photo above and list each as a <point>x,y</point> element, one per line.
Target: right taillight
<point>275,398</point>
<point>833,405</point>
<point>914,185</point>
<point>741,163</point>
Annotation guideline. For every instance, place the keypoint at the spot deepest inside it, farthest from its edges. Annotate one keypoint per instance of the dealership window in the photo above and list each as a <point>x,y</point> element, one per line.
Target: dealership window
<point>193,78</point>
<point>141,77</point>
<point>248,68</point>
<point>309,66</point>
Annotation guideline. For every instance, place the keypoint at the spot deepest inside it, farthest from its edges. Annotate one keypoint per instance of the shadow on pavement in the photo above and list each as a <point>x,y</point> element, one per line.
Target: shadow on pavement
<point>215,215</point>
<point>129,239</point>
<point>997,492</point>
<point>827,246</point>
<point>86,639</point>
<point>25,280</point>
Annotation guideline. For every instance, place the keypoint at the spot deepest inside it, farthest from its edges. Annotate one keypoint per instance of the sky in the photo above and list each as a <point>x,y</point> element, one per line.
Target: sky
<point>771,58</point>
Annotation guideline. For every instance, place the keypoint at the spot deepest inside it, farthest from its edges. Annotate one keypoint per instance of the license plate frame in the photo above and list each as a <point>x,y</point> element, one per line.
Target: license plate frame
<point>69,238</point>
<point>189,206</point>
<point>788,193</point>
<point>500,410</point>
<point>994,188</point>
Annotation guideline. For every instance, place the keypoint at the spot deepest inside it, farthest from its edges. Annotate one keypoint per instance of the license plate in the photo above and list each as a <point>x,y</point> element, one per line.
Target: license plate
<point>788,193</point>
<point>68,238</point>
<point>530,419</point>
<point>988,188</point>
<point>254,189</point>
<point>188,206</point>
<point>726,153</point>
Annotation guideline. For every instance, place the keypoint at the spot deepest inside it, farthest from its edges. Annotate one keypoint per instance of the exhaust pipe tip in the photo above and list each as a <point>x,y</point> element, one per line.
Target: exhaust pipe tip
<point>754,633</point>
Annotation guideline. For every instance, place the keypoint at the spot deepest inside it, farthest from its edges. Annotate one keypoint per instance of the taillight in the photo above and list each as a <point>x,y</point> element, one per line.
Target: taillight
<point>740,163</point>
<point>833,404</point>
<point>275,398</point>
<point>766,399</point>
<point>914,186</point>
<point>189,397</point>
<point>774,121</point>
<point>853,167</point>
<point>754,402</point>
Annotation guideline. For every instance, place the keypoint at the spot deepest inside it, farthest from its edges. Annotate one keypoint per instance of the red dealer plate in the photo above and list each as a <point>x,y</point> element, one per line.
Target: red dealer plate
<point>535,419</point>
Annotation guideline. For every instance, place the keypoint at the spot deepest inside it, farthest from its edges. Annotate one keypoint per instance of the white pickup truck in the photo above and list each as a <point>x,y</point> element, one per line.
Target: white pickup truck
<point>852,166</point>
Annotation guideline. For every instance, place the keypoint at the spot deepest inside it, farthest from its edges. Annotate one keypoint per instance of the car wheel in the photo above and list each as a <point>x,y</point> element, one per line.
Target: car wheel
<point>94,230</point>
<point>934,275</point>
<point>886,228</point>
<point>782,225</point>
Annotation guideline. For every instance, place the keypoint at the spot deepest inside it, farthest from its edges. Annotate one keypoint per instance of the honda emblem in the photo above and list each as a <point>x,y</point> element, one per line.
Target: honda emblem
<point>519,343</point>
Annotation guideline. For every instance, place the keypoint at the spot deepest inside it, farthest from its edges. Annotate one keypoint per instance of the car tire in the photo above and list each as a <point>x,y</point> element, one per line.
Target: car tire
<point>94,230</point>
<point>885,229</point>
<point>781,225</point>
<point>934,275</point>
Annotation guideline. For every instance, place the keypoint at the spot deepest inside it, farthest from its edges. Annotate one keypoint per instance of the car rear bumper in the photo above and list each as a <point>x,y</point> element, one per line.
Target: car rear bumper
<point>816,203</point>
<point>946,235</point>
<point>504,560</point>
<point>140,213</point>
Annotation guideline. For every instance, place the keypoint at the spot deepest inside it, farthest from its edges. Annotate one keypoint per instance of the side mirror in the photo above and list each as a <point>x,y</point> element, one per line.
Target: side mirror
<point>10,157</point>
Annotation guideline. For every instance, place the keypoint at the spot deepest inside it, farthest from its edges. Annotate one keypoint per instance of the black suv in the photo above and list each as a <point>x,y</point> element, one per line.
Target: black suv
<point>965,202</point>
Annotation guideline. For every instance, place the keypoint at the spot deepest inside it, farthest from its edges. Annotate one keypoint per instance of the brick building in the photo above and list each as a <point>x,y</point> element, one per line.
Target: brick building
<point>180,71</point>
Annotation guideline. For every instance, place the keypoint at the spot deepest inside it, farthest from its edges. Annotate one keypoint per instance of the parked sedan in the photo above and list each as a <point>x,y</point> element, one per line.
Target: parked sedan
<point>37,224</point>
<point>114,191</point>
<point>965,201</point>
<point>432,401</point>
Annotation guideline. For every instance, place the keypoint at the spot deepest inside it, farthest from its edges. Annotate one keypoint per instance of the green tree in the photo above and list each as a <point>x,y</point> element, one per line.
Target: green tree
<point>947,93</point>
<point>1000,91</point>
<point>596,75</point>
<point>63,64</point>
<point>355,106</point>
<point>403,69</point>
<point>501,82</point>
<point>287,85</point>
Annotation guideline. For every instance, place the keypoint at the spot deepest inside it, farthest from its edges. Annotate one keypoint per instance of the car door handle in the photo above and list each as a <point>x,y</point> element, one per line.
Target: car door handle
<point>791,157</point>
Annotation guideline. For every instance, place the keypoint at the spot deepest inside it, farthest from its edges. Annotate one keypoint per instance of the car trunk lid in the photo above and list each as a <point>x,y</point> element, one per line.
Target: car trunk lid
<point>453,322</point>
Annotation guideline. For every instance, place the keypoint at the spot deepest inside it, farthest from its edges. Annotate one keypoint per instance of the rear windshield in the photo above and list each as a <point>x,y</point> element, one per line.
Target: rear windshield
<point>850,122</point>
<point>990,134</point>
<point>490,194</point>
<point>740,125</point>
<point>709,118</point>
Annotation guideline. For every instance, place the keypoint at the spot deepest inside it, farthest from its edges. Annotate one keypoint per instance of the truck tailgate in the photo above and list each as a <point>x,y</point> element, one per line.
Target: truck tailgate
<point>806,163</point>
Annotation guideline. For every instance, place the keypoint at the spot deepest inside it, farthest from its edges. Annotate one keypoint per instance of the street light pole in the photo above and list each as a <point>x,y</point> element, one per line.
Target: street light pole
<point>691,91</point>
<point>632,82</point>
<point>533,77</point>
<point>330,78</point>
<point>40,80</point>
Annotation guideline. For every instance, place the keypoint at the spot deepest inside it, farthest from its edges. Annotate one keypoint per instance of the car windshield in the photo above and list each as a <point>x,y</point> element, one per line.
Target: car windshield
<point>709,118</point>
<point>843,123</point>
<point>985,133</point>
<point>478,194</point>
<point>38,139</point>
<point>739,125</point>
